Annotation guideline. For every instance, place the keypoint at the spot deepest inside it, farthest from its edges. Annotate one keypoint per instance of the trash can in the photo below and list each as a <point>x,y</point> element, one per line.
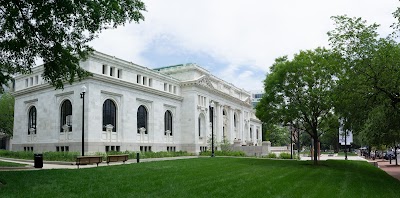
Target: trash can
<point>38,160</point>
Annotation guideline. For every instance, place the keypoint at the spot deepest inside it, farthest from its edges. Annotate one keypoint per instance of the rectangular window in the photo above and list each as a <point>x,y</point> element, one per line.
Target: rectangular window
<point>57,148</point>
<point>104,69</point>
<point>150,82</point>
<point>31,148</point>
<point>26,83</point>
<point>36,80</point>
<point>169,88</point>
<point>113,148</point>
<point>119,73</point>
<point>141,148</point>
<point>31,81</point>
<point>165,86</point>
<point>174,89</point>
<point>112,69</point>
<point>139,79</point>
<point>118,148</point>
<point>107,148</point>
<point>67,148</point>
<point>62,149</point>
<point>144,80</point>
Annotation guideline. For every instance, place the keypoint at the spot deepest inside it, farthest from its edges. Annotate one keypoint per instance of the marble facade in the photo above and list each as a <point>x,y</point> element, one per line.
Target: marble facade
<point>187,91</point>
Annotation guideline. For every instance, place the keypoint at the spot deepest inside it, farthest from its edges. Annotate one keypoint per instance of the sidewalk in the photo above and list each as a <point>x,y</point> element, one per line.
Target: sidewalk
<point>390,169</point>
<point>71,165</point>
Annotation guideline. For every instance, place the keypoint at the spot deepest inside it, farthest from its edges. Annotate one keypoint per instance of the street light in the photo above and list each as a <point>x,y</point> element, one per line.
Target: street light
<point>83,88</point>
<point>212,128</point>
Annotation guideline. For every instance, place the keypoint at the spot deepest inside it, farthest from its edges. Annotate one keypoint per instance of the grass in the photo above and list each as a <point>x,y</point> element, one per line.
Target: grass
<point>206,177</point>
<point>10,164</point>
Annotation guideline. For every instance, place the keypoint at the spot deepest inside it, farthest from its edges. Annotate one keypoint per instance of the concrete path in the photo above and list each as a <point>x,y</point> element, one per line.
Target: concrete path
<point>71,165</point>
<point>390,169</point>
<point>327,157</point>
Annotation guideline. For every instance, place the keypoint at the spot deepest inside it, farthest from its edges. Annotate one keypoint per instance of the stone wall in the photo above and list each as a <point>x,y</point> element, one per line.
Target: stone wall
<point>259,151</point>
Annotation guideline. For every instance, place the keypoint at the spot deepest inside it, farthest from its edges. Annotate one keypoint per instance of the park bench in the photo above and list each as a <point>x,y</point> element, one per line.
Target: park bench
<point>117,158</point>
<point>84,160</point>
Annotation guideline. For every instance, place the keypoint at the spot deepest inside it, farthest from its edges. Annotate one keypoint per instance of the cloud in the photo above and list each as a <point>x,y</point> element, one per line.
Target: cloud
<point>240,34</point>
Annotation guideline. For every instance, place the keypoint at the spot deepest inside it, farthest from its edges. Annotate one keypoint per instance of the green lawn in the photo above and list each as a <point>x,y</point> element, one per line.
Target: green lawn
<point>10,164</point>
<point>206,177</point>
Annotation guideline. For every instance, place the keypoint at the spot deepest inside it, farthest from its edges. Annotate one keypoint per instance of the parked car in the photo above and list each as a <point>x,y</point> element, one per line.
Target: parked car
<point>388,154</point>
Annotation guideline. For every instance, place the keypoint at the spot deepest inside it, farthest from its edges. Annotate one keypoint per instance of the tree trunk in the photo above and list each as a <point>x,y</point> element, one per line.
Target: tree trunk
<point>315,149</point>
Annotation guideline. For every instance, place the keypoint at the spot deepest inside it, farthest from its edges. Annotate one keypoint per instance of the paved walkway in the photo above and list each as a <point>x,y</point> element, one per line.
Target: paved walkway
<point>71,165</point>
<point>385,165</point>
<point>391,169</point>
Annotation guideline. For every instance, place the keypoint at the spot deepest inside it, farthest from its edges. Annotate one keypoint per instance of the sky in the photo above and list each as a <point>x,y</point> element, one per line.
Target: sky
<point>236,40</point>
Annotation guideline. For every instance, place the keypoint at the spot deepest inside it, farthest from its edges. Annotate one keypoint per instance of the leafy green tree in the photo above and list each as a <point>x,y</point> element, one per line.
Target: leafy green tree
<point>368,87</point>
<point>6,114</point>
<point>330,137</point>
<point>300,89</point>
<point>56,32</point>
<point>277,135</point>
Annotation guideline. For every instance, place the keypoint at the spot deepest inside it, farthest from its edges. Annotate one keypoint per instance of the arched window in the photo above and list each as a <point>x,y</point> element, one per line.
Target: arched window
<point>142,118</point>
<point>199,126</point>
<point>32,120</point>
<point>109,115</point>
<point>167,122</point>
<point>234,120</point>
<point>257,133</point>
<point>66,115</point>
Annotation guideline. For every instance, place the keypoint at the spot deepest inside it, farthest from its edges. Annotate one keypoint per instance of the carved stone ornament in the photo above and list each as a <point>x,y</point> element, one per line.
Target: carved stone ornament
<point>205,82</point>
<point>109,127</point>
<point>65,128</point>
<point>142,130</point>
<point>32,130</point>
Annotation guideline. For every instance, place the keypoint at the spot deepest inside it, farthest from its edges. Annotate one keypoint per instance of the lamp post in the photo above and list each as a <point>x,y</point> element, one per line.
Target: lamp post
<point>83,88</point>
<point>212,128</point>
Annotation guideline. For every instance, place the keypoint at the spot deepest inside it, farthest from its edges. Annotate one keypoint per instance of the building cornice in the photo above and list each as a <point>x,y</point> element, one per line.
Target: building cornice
<point>202,84</point>
<point>102,78</point>
<point>139,87</point>
<point>130,66</point>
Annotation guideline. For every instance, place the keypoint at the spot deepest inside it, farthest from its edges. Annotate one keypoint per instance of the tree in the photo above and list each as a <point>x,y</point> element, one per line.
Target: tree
<point>277,135</point>
<point>330,137</point>
<point>368,87</point>
<point>56,32</point>
<point>300,89</point>
<point>6,114</point>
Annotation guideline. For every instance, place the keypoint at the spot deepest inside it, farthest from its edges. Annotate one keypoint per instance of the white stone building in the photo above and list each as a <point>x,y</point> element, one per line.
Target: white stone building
<point>130,107</point>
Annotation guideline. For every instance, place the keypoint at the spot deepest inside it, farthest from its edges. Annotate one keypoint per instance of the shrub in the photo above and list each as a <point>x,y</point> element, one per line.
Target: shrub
<point>224,153</point>
<point>48,156</point>
<point>284,155</point>
<point>71,156</point>
<point>271,155</point>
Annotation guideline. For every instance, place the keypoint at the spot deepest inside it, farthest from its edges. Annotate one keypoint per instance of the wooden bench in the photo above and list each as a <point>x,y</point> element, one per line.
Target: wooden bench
<point>84,160</point>
<point>117,158</point>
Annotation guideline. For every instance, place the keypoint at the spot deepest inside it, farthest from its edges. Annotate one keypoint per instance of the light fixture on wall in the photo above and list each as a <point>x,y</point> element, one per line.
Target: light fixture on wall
<point>83,89</point>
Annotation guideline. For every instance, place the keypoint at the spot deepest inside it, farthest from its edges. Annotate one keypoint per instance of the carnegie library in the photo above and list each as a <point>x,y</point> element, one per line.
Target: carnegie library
<point>125,106</point>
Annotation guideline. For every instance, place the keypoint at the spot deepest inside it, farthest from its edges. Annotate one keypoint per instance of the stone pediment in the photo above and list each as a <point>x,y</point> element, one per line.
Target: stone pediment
<point>205,82</point>
<point>247,100</point>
